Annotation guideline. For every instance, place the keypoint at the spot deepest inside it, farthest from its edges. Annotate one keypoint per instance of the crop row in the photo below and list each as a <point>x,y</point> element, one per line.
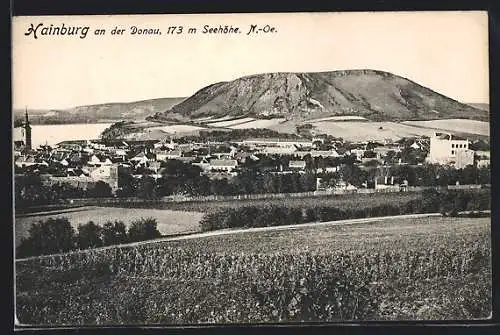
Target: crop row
<point>199,287</point>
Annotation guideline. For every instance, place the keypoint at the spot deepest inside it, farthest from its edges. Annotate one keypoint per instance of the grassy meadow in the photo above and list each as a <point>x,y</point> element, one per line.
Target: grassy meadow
<point>169,221</point>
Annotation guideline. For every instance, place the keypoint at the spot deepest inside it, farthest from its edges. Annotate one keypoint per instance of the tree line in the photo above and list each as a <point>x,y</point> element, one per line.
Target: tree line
<point>31,191</point>
<point>234,135</point>
<point>56,235</point>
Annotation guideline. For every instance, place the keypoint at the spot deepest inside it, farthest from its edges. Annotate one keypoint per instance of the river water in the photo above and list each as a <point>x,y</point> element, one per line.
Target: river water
<point>53,134</point>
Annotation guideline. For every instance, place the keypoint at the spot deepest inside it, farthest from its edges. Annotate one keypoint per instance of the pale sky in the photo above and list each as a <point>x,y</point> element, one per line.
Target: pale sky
<point>445,51</point>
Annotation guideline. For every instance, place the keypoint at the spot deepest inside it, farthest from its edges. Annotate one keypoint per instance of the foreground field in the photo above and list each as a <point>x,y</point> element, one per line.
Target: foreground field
<point>169,222</point>
<point>432,268</point>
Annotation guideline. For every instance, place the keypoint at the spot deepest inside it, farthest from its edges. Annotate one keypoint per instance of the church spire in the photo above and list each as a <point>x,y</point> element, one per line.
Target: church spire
<point>26,118</point>
<point>27,130</point>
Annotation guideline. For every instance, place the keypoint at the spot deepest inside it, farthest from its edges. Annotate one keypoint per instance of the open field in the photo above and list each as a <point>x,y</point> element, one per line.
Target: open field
<point>258,124</point>
<point>359,131</point>
<point>169,222</point>
<point>455,125</point>
<point>213,119</point>
<point>323,238</point>
<point>178,128</point>
<point>229,123</point>
<point>339,118</point>
<point>375,131</point>
<point>432,268</point>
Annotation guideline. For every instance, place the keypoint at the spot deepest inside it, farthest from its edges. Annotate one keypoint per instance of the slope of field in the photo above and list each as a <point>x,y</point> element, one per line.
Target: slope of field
<point>147,130</point>
<point>258,124</point>
<point>169,222</point>
<point>178,128</point>
<point>214,119</point>
<point>375,131</point>
<point>425,269</point>
<point>339,118</point>
<point>375,95</point>
<point>455,125</point>
<point>230,122</point>
<point>320,239</point>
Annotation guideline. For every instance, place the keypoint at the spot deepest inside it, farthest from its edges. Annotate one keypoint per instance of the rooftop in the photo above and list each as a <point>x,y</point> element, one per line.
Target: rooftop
<point>452,137</point>
<point>223,162</point>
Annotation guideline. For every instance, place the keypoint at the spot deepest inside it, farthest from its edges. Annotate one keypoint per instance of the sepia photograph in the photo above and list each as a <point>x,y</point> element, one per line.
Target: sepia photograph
<point>257,168</point>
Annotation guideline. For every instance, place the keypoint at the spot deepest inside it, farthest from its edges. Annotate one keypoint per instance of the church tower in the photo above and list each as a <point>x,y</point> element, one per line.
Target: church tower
<point>27,131</point>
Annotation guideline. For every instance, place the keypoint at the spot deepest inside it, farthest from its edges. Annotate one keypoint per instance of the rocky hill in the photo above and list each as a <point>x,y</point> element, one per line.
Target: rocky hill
<point>375,95</point>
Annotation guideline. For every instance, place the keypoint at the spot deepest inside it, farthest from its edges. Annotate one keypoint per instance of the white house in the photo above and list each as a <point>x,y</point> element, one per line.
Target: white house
<point>204,164</point>
<point>270,150</point>
<point>328,169</point>
<point>357,152</point>
<point>324,153</point>
<point>94,160</point>
<point>120,153</point>
<point>483,159</point>
<point>415,146</point>
<point>23,161</point>
<point>140,159</point>
<point>227,165</point>
<point>301,165</point>
<point>107,174</point>
<point>450,149</point>
<point>463,158</point>
<point>163,155</point>
<point>164,144</point>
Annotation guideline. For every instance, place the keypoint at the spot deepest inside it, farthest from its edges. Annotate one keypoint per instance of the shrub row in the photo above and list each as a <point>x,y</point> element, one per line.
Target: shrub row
<point>446,202</point>
<point>56,235</point>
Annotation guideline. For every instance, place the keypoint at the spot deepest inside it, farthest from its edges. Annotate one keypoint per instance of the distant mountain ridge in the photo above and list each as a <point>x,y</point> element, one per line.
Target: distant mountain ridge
<point>375,95</point>
<point>108,112</point>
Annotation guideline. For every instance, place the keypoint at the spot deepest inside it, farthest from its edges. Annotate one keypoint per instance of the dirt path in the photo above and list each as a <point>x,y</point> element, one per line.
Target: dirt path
<point>57,211</point>
<point>247,230</point>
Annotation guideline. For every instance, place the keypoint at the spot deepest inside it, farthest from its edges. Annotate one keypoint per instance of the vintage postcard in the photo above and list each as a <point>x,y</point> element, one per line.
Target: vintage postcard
<point>251,168</point>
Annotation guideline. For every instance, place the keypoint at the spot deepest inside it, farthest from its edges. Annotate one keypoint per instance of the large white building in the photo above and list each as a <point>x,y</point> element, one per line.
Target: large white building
<point>450,149</point>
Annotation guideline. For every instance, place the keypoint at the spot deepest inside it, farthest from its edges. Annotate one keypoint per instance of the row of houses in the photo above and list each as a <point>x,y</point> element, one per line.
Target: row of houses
<point>99,160</point>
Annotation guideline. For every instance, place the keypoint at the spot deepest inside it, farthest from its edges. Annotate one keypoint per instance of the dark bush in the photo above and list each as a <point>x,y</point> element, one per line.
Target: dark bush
<point>100,190</point>
<point>89,236</point>
<point>143,229</point>
<point>48,237</point>
<point>114,233</point>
